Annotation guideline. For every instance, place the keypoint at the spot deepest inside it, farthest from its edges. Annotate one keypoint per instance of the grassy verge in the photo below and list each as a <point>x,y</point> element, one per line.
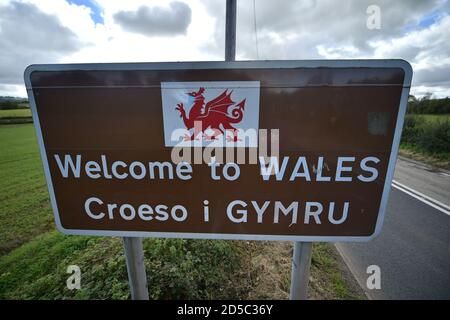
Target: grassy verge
<point>270,271</point>
<point>34,257</point>
<point>331,279</point>
<point>176,269</point>
<point>420,156</point>
<point>200,269</point>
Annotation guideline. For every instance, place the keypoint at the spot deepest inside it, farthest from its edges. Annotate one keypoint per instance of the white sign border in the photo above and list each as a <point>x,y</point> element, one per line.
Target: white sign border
<point>286,64</point>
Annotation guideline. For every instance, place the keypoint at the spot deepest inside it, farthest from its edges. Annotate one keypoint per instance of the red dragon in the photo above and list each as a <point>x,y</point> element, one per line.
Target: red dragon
<point>217,114</point>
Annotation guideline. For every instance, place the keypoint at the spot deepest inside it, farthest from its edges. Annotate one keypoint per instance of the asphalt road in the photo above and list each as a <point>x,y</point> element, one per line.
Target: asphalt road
<point>413,249</point>
<point>423,178</point>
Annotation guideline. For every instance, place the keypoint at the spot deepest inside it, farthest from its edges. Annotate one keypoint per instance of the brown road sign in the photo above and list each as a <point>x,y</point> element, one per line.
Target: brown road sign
<point>279,150</point>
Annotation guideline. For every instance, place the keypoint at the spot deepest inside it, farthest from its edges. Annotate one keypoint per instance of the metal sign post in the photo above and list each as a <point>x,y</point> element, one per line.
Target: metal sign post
<point>230,31</point>
<point>136,269</point>
<point>301,262</point>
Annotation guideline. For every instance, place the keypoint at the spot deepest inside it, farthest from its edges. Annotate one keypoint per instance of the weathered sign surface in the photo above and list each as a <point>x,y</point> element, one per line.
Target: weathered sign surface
<point>280,150</point>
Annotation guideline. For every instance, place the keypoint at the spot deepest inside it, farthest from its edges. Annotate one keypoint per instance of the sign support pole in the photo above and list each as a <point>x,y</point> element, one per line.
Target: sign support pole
<point>137,277</point>
<point>230,31</point>
<point>301,263</point>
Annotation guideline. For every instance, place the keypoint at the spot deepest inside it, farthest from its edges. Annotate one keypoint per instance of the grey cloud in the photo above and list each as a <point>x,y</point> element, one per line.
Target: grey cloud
<point>216,45</point>
<point>294,30</point>
<point>156,21</point>
<point>325,21</point>
<point>334,22</point>
<point>433,77</point>
<point>29,36</point>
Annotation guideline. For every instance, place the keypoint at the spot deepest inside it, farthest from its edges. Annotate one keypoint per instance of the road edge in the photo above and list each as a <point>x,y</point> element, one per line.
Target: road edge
<point>349,267</point>
<point>406,157</point>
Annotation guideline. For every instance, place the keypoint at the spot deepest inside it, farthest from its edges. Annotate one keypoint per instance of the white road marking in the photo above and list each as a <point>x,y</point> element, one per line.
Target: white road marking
<point>422,197</point>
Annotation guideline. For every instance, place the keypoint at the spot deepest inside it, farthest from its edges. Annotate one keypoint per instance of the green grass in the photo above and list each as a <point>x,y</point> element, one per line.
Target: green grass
<point>327,276</point>
<point>433,117</point>
<point>188,269</point>
<point>15,113</point>
<point>25,210</point>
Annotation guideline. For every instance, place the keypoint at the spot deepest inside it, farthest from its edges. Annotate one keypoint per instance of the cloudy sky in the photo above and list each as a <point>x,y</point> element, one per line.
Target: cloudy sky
<point>72,31</point>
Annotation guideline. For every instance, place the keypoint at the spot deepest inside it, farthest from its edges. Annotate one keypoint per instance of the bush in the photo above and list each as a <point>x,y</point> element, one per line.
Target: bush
<point>12,105</point>
<point>427,136</point>
<point>412,128</point>
<point>435,138</point>
<point>191,269</point>
<point>176,269</point>
<point>428,106</point>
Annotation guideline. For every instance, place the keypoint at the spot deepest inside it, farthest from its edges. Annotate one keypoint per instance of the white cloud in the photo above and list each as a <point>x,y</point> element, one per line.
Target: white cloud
<point>92,42</point>
<point>113,44</point>
<point>156,21</point>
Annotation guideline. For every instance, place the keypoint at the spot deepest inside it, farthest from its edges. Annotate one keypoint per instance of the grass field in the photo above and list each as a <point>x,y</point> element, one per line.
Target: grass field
<point>24,199</point>
<point>34,257</point>
<point>15,113</point>
<point>433,117</point>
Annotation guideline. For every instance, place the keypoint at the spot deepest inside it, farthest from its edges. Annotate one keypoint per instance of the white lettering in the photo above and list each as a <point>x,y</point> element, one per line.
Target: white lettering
<point>340,168</point>
<point>371,170</point>
<point>87,208</point>
<point>69,163</point>
<point>242,212</point>
<point>315,213</point>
